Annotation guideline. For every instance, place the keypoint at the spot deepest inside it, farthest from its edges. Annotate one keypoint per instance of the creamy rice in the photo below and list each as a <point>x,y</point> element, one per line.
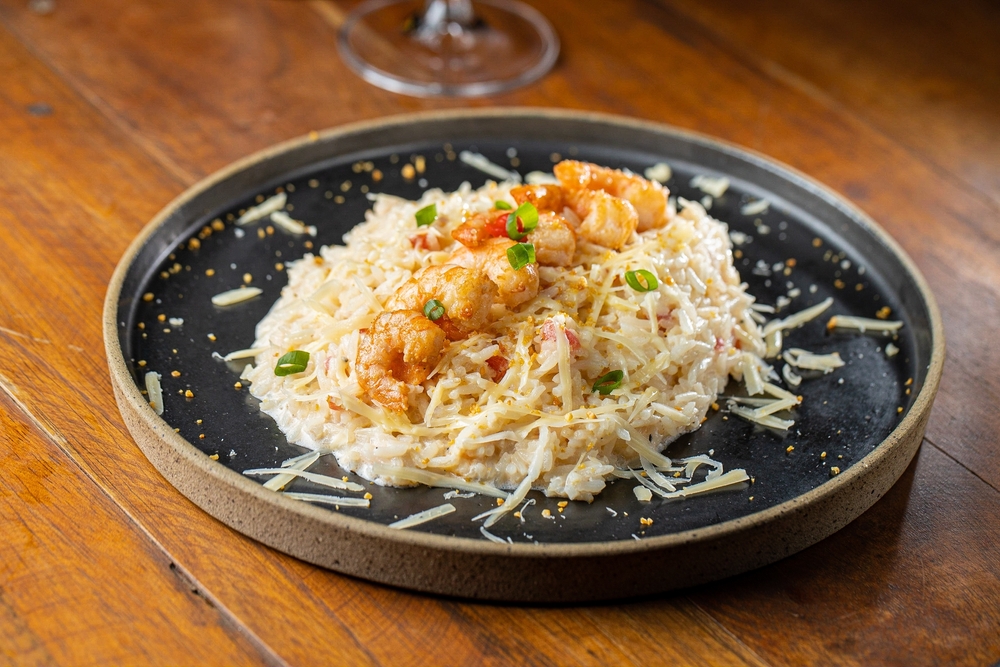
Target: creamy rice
<point>540,424</point>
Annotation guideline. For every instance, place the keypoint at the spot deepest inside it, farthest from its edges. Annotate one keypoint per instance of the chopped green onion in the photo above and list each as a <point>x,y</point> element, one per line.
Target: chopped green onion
<point>502,205</point>
<point>608,383</point>
<point>522,221</point>
<point>433,310</point>
<point>641,280</point>
<point>520,255</point>
<point>427,215</point>
<point>292,362</point>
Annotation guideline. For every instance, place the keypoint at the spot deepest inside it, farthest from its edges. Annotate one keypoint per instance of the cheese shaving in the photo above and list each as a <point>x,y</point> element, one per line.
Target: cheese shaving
<point>264,209</point>
<point>863,324</point>
<point>327,500</point>
<point>423,517</point>
<point>235,296</point>
<point>154,391</point>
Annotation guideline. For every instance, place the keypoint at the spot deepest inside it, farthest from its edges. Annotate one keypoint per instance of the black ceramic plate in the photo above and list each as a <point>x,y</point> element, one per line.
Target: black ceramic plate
<point>808,243</point>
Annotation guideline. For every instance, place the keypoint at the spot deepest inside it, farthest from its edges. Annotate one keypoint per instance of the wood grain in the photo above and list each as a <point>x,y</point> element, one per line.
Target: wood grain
<point>919,566</point>
<point>262,587</point>
<point>72,566</point>
<point>147,97</point>
<point>926,74</point>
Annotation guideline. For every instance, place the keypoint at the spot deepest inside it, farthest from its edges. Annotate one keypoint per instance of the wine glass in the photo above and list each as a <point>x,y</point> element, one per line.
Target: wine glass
<point>448,47</point>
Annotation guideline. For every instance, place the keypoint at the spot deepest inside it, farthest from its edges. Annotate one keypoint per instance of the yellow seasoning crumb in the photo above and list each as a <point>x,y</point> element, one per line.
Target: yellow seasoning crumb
<point>517,515</point>
<point>188,394</point>
<point>569,417</point>
<point>175,374</point>
<point>907,391</point>
<point>408,172</point>
<point>789,449</point>
<point>142,362</point>
<point>198,421</point>
<point>737,254</point>
<point>840,456</point>
<point>817,242</point>
<point>261,233</point>
<point>344,478</point>
<point>546,513</point>
<point>377,175</point>
<point>908,382</point>
<point>339,199</point>
<point>751,498</point>
<point>899,410</point>
<point>715,406</point>
<point>141,325</point>
<point>563,503</point>
<point>212,337</point>
<point>279,266</point>
<point>420,163</point>
<point>194,244</point>
<point>499,502</point>
<point>161,317</point>
<point>858,287</point>
<point>148,296</point>
<point>838,283</point>
<point>883,312</point>
<point>645,522</point>
<point>247,278</point>
<point>367,496</point>
<point>269,230</point>
<point>238,385</point>
<point>834,471</point>
<point>259,198</point>
<point>823,455</point>
<point>218,225</point>
<point>791,261</point>
<point>201,436</point>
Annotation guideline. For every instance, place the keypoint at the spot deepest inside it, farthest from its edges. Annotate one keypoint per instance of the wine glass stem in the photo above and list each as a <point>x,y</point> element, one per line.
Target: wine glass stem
<point>443,16</point>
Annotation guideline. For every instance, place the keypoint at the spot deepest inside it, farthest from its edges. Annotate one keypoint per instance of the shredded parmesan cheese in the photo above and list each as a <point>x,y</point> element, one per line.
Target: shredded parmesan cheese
<point>863,324</point>
<point>423,517</point>
<point>154,392</point>
<point>264,209</point>
<point>237,295</point>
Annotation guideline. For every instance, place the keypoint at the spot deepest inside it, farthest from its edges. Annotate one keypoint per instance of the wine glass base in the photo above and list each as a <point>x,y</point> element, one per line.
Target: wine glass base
<point>508,45</point>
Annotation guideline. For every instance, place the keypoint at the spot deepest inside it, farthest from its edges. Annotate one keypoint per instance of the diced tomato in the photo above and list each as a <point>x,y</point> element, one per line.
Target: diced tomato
<point>498,225</point>
<point>498,365</point>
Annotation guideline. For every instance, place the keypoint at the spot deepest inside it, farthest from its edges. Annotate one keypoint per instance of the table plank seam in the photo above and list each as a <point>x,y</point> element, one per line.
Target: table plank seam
<point>964,467</point>
<point>106,111</point>
<point>780,74</point>
<point>50,432</point>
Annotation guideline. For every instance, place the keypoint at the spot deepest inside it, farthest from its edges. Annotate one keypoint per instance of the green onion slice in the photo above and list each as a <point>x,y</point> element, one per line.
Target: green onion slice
<point>502,205</point>
<point>522,221</point>
<point>291,363</point>
<point>520,255</point>
<point>608,383</point>
<point>427,215</point>
<point>641,280</point>
<point>433,310</point>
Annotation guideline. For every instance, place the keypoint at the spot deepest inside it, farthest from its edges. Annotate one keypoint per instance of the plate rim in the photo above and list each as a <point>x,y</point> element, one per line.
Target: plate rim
<point>909,431</point>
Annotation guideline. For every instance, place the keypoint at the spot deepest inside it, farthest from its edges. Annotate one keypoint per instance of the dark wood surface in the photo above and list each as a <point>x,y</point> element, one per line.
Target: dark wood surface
<point>108,110</point>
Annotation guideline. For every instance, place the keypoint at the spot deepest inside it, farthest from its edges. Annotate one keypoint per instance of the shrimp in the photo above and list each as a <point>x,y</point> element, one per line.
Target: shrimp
<point>554,239</point>
<point>604,219</point>
<point>648,197</point>
<point>514,287</point>
<point>480,228</point>
<point>544,197</point>
<point>607,220</point>
<point>401,348</point>
<point>466,294</point>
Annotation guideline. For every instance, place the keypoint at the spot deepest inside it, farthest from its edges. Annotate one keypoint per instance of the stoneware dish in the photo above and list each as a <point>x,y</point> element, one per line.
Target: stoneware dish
<point>866,419</point>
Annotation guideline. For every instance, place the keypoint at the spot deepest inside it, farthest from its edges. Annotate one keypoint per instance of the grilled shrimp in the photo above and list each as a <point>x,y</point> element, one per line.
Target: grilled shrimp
<point>514,287</point>
<point>466,294</point>
<point>480,228</point>
<point>648,197</point>
<point>399,349</point>
<point>554,240</point>
<point>604,219</point>
<point>544,197</point>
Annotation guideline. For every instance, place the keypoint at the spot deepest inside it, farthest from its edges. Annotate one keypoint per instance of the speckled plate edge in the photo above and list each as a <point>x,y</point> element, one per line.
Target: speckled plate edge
<point>519,572</point>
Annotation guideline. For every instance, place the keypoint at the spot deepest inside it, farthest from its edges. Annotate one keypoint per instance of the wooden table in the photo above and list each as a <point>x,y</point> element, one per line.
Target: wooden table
<point>109,109</point>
